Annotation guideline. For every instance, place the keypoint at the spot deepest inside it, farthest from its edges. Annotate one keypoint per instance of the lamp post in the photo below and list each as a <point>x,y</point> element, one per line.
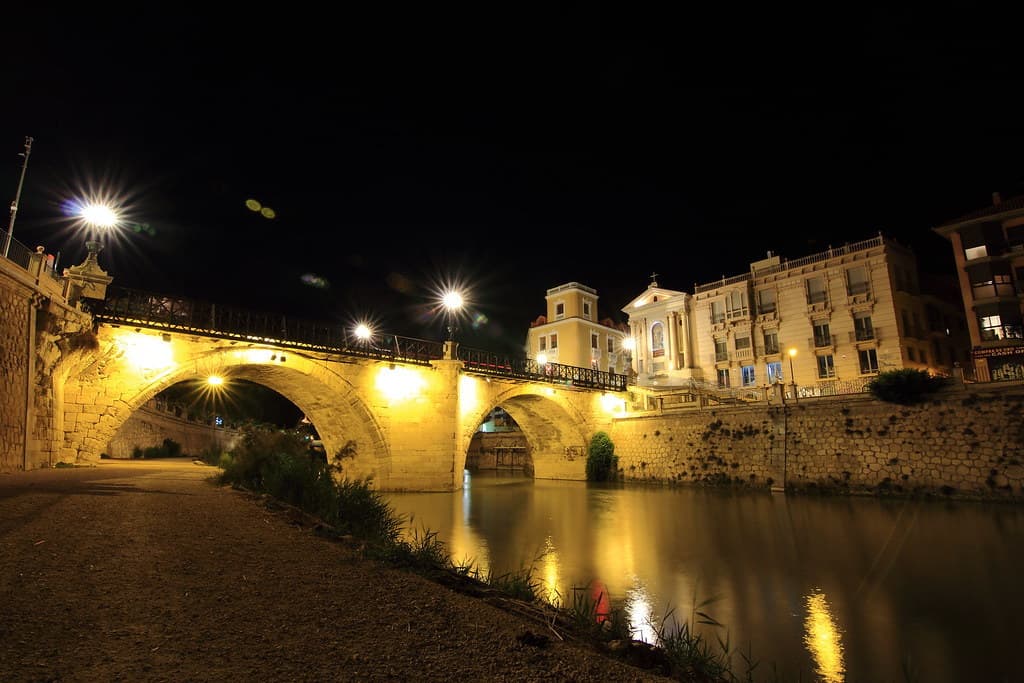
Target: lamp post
<point>452,301</point>
<point>792,376</point>
<point>17,196</point>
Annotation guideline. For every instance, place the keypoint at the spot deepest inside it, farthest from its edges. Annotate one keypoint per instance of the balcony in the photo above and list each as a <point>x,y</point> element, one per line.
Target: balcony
<point>864,335</point>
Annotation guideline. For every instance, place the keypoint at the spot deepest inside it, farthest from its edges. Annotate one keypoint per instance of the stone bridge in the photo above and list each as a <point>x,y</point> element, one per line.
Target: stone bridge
<point>74,379</point>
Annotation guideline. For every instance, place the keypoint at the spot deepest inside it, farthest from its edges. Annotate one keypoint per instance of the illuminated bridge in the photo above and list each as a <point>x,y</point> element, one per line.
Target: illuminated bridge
<point>410,407</point>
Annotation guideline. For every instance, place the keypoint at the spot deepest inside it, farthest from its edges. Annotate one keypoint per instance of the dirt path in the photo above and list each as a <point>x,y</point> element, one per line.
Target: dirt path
<point>145,571</point>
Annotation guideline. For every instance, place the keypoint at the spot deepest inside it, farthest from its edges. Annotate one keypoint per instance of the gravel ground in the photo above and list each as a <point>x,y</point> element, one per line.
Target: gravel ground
<point>146,571</point>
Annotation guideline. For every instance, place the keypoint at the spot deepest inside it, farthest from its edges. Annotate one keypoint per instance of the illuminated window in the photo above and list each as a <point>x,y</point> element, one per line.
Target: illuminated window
<point>976,252</point>
<point>773,371</point>
<point>748,376</point>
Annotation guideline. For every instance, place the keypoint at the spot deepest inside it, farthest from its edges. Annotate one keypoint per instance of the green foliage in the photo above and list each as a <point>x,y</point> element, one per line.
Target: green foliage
<point>169,449</point>
<point>602,463</point>
<point>904,386</point>
<point>280,464</point>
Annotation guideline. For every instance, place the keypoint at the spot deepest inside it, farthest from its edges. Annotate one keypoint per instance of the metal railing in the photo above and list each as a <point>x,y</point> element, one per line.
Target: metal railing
<point>124,306</point>
<point>175,314</point>
<point>488,363</point>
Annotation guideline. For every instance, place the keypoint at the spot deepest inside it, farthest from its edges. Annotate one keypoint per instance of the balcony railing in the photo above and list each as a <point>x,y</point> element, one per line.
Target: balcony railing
<point>489,363</point>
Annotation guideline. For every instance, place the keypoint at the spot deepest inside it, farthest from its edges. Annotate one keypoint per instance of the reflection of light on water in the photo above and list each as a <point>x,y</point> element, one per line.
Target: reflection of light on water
<point>638,609</point>
<point>823,639</point>
<point>549,585</point>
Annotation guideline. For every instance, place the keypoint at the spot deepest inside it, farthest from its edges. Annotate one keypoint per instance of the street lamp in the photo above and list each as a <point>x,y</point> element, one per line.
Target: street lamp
<point>452,302</point>
<point>363,332</point>
<point>17,196</point>
<point>792,376</point>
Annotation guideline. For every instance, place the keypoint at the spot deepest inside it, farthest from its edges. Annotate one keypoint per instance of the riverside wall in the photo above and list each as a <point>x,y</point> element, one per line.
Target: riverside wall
<point>149,426</point>
<point>965,441</point>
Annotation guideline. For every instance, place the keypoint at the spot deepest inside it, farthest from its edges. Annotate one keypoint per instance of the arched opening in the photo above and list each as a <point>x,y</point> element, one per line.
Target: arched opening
<point>499,448</point>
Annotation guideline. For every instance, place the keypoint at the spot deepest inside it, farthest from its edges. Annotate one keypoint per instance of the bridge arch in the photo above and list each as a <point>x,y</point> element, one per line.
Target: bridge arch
<point>100,402</point>
<point>556,430</point>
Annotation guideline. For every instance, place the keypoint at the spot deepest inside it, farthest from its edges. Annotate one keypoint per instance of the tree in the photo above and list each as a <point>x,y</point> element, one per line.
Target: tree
<point>602,463</point>
<point>904,386</point>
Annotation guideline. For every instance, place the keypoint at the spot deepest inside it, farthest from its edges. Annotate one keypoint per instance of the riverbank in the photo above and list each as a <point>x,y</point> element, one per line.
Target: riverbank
<point>144,570</point>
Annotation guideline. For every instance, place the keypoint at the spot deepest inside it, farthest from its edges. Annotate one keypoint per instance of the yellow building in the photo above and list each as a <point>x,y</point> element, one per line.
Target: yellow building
<point>832,320</point>
<point>988,247</point>
<point>572,334</point>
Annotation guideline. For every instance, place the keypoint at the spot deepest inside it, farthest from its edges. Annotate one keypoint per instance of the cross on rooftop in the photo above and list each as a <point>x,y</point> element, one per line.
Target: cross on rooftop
<point>654,283</point>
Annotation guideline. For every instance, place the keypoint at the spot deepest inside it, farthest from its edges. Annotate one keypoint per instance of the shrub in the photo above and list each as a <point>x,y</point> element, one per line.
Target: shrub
<point>904,386</point>
<point>602,463</point>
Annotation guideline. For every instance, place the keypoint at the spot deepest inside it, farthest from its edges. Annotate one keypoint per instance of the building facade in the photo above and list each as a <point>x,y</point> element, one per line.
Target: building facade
<point>829,322</point>
<point>572,334</point>
<point>988,248</point>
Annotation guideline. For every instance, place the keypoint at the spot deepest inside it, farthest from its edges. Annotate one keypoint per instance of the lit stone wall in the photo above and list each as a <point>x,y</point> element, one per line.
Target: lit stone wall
<point>968,442</point>
<point>149,427</point>
<point>15,300</point>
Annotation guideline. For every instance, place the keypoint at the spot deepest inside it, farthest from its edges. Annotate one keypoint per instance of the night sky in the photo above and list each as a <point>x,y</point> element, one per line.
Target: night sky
<point>508,150</point>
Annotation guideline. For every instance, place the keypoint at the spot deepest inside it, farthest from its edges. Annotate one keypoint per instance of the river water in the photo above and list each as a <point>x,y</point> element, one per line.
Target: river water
<point>811,588</point>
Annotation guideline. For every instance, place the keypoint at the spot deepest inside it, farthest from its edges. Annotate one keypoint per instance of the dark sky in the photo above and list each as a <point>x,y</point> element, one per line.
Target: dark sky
<point>510,149</point>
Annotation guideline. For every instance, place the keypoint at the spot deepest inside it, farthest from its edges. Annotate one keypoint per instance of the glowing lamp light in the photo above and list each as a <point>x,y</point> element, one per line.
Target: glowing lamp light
<point>629,343</point>
<point>452,300</point>
<point>362,332</point>
<point>612,404</point>
<point>99,215</point>
<point>215,380</point>
<point>542,359</point>
<point>144,352</point>
<point>399,384</point>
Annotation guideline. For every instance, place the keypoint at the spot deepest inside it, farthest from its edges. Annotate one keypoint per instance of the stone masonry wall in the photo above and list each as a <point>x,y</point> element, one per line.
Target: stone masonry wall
<point>148,427</point>
<point>969,442</point>
<point>15,302</point>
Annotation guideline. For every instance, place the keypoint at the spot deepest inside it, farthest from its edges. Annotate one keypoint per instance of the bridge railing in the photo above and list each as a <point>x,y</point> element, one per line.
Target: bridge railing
<point>158,311</point>
<point>124,306</point>
<point>488,363</point>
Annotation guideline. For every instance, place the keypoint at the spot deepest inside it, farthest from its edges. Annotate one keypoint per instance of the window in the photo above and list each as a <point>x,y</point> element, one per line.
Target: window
<point>723,377</point>
<point>826,367</point>
<point>717,312</point>
<point>857,280</point>
<point>990,279</point>
<point>593,341</point>
<point>771,342</point>
<point>912,353</point>
<point>868,361</point>
<point>747,375</point>
<point>721,351</point>
<point>611,344</point>
<point>822,336</point>
<point>657,340</point>
<point>766,301</point>
<point>736,304</point>
<point>773,371</point>
<point>742,343</point>
<point>976,252</point>
<point>862,328</point>
<point>559,311</point>
<point>543,341</point>
<point>586,310</point>
<point>554,341</point>
<point>816,293</point>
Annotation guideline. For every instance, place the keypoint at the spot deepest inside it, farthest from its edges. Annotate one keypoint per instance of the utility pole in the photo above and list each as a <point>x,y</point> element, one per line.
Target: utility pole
<point>17,195</point>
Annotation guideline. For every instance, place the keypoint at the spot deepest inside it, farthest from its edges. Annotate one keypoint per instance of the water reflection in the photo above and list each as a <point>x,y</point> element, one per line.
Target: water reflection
<point>823,639</point>
<point>640,614</point>
<point>658,551</point>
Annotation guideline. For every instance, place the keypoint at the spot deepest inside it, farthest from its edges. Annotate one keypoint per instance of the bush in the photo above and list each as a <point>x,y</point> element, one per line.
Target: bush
<point>602,463</point>
<point>905,386</point>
